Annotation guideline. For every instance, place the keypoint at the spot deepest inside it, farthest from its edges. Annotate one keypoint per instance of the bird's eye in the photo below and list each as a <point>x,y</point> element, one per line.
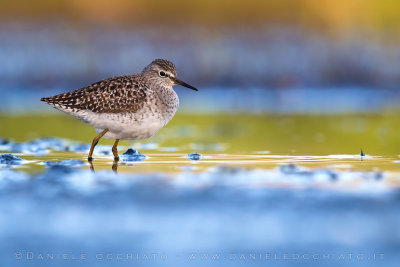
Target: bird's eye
<point>162,74</point>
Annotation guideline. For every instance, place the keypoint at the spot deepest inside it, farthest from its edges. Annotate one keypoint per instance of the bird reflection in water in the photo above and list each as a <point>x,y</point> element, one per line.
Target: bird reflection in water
<point>114,167</point>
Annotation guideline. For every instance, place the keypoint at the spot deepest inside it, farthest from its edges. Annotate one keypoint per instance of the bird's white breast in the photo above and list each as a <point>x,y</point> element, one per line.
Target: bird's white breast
<point>125,126</point>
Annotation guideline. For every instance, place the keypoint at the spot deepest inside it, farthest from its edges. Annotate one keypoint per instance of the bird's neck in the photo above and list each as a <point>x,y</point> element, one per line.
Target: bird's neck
<point>168,96</point>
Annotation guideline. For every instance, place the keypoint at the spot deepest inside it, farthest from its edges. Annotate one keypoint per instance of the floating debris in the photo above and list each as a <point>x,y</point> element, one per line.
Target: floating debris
<point>132,155</point>
<point>194,156</point>
<point>362,154</point>
<point>67,163</point>
<point>10,159</point>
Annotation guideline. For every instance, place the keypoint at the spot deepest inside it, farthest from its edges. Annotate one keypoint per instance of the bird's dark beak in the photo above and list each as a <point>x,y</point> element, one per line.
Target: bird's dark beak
<point>179,82</point>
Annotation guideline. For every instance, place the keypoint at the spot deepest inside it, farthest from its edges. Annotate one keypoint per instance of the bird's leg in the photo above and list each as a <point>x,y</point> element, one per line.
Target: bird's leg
<point>91,166</point>
<point>115,150</point>
<point>115,166</point>
<point>94,143</point>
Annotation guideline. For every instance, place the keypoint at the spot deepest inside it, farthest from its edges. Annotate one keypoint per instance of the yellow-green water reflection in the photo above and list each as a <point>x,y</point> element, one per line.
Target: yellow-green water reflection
<point>250,141</point>
<point>238,134</point>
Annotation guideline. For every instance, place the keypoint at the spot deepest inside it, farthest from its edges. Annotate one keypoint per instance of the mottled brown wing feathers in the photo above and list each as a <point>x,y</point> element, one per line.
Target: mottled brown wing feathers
<point>115,95</point>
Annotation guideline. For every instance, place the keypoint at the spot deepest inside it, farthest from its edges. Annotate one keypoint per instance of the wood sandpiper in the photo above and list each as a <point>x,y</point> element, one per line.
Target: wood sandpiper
<point>130,107</point>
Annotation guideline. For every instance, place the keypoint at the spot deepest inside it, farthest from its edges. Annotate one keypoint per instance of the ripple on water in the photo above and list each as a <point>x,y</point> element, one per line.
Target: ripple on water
<point>10,159</point>
<point>37,147</point>
<point>67,162</point>
<point>102,206</point>
<point>79,147</point>
<point>132,155</point>
<point>194,156</point>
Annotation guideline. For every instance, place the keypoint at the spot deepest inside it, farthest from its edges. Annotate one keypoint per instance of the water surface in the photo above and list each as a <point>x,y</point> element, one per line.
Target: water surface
<point>264,184</point>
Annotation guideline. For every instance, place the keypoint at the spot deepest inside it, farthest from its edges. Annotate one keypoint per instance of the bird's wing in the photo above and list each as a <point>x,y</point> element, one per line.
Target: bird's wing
<point>115,95</point>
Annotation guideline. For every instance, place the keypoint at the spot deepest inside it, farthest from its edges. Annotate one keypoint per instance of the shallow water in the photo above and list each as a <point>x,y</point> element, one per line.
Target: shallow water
<point>264,184</point>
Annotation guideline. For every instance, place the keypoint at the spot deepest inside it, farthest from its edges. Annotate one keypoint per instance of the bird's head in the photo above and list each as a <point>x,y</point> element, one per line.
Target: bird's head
<point>163,72</point>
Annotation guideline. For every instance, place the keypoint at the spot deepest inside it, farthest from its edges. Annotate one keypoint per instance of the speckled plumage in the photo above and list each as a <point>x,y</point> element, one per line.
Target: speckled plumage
<point>129,107</point>
<point>114,95</point>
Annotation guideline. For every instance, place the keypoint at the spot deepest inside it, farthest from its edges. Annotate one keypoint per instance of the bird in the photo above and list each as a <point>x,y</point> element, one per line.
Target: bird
<point>129,107</point>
